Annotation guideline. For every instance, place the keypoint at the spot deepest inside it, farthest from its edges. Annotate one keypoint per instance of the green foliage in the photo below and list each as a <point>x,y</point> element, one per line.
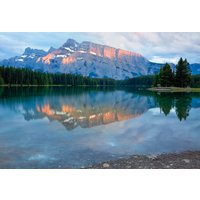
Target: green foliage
<point>195,81</point>
<point>183,74</point>
<point>24,76</point>
<point>1,80</point>
<point>156,80</point>
<point>142,81</point>
<point>180,78</point>
<point>166,76</point>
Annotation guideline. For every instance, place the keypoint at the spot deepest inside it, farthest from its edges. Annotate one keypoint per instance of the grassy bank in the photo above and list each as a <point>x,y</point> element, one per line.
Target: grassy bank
<point>173,89</point>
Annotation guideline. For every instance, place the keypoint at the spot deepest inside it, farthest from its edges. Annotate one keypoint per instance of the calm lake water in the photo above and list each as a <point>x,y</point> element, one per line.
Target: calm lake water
<point>75,127</point>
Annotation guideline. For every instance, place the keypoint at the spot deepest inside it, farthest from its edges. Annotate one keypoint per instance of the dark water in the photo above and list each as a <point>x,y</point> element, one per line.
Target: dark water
<point>75,127</point>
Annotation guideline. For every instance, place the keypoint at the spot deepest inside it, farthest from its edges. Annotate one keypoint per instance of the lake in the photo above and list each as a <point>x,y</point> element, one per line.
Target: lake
<point>66,127</point>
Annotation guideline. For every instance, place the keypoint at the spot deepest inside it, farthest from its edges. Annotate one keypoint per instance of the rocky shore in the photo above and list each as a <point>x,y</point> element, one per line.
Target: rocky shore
<point>185,160</point>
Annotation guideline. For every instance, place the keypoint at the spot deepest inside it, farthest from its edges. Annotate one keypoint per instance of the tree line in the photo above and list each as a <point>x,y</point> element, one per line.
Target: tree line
<point>138,82</point>
<point>180,77</point>
<point>24,76</point>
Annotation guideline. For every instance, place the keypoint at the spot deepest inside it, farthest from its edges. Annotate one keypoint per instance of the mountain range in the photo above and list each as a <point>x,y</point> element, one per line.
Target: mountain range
<point>88,59</point>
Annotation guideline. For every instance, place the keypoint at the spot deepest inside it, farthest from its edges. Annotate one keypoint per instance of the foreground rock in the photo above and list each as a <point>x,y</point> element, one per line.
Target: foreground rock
<point>185,160</point>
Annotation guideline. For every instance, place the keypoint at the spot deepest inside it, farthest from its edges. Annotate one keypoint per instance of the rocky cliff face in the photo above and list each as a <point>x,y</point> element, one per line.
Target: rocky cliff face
<point>87,59</point>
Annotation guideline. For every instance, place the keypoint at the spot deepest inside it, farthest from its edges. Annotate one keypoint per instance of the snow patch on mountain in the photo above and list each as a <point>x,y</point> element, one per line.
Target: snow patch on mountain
<point>61,56</point>
<point>93,53</point>
<point>19,60</point>
<point>69,49</point>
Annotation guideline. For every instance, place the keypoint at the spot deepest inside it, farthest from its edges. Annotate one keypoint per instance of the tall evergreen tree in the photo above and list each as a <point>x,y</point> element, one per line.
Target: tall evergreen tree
<point>1,80</point>
<point>156,80</point>
<point>183,74</point>
<point>166,76</point>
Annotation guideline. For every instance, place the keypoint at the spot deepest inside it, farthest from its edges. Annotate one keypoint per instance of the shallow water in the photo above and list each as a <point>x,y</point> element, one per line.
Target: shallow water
<point>76,127</point>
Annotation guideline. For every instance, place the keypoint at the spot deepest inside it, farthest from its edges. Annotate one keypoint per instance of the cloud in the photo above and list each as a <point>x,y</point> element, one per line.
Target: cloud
<point>159,59</point>
<point>158,44</point>
<point>163,46</point>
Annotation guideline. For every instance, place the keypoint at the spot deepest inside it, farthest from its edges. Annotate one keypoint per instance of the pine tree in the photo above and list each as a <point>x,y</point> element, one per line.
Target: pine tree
<point>1,80</point>
<point>183,74</point>
<point>166,76</point>
<point>183,106</point>
<point>165,102</point>
<point>156,80</point>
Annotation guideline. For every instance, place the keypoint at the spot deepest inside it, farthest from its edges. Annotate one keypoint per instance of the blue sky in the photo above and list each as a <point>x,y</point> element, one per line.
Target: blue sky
<point>156,46</point>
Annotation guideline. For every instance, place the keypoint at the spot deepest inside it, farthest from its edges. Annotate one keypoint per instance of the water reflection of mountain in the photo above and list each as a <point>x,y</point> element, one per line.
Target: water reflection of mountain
<point>85,109</point>
<point>92,107</point>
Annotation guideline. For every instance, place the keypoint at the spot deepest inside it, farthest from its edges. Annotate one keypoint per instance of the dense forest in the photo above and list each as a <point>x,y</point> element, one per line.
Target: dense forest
<point>150,81</point>
<point>24,76</point>
<point>141,81</point>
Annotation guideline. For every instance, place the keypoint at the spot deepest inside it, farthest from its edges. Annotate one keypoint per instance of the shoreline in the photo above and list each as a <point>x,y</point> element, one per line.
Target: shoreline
<point>173,89</point>
<point>17,85</point>
<point>183,160</point>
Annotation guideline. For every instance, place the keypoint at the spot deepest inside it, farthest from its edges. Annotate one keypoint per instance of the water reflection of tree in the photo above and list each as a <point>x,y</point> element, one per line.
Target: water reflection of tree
<point>183,106</point>
<point>181,102</point>
<point>1,90</point>
<point>165,102</point>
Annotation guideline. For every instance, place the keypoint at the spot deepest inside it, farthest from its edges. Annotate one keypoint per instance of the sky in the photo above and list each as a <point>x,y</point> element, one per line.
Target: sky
<point>156,46</point>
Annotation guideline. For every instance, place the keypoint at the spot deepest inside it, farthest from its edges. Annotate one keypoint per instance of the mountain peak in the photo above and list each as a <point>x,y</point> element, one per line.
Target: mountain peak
<point>38,52</point>
<point>28,51</point>
<point>51,49</point>
<point>71,43</point>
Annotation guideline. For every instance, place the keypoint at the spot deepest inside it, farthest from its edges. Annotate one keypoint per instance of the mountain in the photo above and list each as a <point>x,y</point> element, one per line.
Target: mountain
<point>28,59</point>
<point>195,68</point>
<point>87,59</point>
